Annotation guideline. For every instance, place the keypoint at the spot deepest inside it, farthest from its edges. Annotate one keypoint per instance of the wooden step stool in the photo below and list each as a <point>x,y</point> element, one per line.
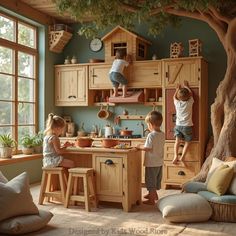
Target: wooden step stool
<point>48,186</point>
<point>89,187</point>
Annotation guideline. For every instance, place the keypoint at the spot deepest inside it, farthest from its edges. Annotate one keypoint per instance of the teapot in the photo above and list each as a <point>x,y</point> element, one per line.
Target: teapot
<point>108,130</point>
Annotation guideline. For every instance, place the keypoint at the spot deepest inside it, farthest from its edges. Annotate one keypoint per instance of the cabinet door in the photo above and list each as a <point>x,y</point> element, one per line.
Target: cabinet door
<point>109,175</point>
<point>99,77</point>
<point>145,74</point>
<point>176,71</point>
<point>71,86</point>
<point>170,114</point>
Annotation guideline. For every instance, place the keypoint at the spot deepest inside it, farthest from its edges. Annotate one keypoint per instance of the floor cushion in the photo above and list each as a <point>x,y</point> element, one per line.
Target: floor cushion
<point>3,179</point>
<point>25,224</point>
<point>216,198</point>
<point>220,180</point>
<point>194,187</point>
<point>16,199</point>
<point>185,207</point>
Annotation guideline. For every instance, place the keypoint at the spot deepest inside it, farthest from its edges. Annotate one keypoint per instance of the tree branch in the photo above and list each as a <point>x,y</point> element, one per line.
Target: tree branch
<point>219,16</point>
<point>218,29</point>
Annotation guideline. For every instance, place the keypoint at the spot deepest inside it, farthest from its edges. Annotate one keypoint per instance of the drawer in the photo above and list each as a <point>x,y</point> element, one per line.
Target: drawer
<point>179,174</point>
<point>191,155</point>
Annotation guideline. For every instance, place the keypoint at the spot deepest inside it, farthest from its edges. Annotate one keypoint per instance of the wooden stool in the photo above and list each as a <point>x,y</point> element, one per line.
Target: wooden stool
<point>48,186</point>
<point>89,187</point>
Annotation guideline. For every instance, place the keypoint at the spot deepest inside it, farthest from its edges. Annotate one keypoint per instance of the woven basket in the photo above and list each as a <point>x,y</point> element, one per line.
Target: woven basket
<point>224,212</point>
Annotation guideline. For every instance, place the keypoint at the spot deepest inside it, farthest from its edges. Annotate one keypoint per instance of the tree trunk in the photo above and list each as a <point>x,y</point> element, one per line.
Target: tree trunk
<point>223,119</point>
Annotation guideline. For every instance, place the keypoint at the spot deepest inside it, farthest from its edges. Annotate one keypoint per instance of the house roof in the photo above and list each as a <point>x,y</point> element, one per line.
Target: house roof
<point>127,31</point>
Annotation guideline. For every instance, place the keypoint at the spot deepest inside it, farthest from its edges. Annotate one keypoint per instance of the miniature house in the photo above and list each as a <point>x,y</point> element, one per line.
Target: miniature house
<point>176,50</point>
<point>195,47</point>
<point>120,38</point>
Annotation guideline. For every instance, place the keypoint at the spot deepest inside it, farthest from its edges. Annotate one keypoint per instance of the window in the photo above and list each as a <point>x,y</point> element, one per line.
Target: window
<point>116,46</point>
<point>18,77</point>
<point>141,50</point>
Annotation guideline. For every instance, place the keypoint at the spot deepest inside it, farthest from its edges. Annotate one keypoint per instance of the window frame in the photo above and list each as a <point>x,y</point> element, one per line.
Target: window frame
<point>13,45</point>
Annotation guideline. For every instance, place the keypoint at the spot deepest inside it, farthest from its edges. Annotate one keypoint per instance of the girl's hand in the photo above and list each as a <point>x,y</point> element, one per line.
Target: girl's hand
<point>139,146</point>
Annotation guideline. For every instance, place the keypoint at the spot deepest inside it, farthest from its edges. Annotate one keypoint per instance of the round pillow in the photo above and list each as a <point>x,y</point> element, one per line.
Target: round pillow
<point>185,207</point>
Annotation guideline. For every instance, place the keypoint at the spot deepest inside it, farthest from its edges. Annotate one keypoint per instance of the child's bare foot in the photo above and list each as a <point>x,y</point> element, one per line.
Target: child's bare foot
<point>115,95</point>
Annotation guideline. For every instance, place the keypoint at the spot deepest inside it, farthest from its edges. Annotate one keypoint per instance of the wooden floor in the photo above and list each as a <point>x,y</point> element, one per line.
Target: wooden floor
<point>111,220</point>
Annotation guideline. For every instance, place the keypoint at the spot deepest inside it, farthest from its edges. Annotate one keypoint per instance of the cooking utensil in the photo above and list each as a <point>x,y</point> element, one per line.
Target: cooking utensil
<point>104,113</point>
<point>108,130</point>
<point>109,142</point>
<point>84,142</point>
<point>126,132</point>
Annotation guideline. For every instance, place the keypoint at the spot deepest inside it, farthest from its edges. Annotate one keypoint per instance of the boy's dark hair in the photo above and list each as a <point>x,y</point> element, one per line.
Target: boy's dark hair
<point>154,117</point>
<point>183,94</point>
<point>120,53</point>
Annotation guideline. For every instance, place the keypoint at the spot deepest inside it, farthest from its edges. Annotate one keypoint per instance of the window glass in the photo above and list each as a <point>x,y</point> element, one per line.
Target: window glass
<point>25,113</point>
<point>7,28</point>
<point>25,65</point>
<point>6,83</point>
<point>26,35</point>
<point>6,60</point>
<point>25,89</point>
<point>6,113</point>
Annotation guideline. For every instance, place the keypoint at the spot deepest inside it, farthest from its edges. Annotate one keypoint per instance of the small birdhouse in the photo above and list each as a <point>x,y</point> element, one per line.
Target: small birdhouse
<point>120,38</point>
<point>195,47</point>
<point>176,50</point>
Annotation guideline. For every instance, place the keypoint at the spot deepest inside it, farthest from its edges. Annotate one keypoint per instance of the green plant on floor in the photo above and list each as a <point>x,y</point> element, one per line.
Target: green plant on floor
<point>7,141</point>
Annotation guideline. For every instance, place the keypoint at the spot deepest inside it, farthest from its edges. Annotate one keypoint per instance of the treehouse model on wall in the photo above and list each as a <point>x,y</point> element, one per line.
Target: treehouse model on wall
<point>120,38</point>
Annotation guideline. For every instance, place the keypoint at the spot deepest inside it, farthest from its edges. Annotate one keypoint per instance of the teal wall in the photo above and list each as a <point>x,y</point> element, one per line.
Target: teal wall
<point>213,52</point>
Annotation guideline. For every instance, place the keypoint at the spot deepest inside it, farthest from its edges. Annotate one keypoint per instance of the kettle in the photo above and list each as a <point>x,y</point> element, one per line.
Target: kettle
<point>108,131</point>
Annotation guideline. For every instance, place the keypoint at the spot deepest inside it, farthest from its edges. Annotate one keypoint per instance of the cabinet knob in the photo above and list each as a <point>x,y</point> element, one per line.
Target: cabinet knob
<point>156,73</point>
<point>181,173</point>
<point>94,75</point>
<point>109,162</point>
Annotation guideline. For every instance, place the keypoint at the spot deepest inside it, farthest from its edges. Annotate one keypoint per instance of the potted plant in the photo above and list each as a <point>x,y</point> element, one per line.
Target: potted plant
<point>27,143</point>
<point>38,142</point>
<point>7,144</point>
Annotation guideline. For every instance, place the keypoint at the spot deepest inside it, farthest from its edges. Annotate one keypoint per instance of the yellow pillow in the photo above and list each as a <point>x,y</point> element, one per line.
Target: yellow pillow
<point>220,179</point>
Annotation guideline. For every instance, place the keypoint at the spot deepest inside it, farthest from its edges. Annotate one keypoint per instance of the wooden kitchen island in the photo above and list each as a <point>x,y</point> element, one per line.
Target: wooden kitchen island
<point>117,172</point>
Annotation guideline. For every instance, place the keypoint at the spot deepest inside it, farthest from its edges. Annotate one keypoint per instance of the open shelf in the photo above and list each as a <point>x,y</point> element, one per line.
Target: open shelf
<point>131,117</point>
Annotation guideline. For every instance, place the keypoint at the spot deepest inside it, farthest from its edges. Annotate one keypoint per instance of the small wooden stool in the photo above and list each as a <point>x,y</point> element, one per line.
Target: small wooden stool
<point>89,187</point>
<point>47,184</point>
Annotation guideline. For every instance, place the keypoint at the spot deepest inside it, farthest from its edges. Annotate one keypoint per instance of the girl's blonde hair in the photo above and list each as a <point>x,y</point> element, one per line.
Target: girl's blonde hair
<point>54,121</point>
<point>154,118</point>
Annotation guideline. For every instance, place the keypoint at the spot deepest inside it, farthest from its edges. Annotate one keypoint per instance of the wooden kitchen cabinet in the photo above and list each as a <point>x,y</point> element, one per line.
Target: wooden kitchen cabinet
<point>179,69</point>
<point>194,70</point>
<point>118,177</point>
<point>71,85</point>
<point>99,76</point>
<point>145,74</point>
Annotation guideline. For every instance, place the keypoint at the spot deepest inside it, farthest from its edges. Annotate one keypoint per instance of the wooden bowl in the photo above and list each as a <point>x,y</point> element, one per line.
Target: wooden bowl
<point>84,142</point>
<point>109,142</point>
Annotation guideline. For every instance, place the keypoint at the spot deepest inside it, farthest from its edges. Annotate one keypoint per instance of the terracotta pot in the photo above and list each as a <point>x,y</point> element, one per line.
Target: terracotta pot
<point>109,142</point>
<point>104,113</point>
<point>84,142</point>
<point>126,132</point>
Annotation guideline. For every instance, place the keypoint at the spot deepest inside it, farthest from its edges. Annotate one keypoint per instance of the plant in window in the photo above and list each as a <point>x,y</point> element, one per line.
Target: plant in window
<point>7,144</point>
<point>38,142</point>
<point>27,143</point>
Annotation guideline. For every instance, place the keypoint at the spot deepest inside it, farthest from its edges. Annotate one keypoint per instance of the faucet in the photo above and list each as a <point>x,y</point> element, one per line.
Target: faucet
<point>143,129</point>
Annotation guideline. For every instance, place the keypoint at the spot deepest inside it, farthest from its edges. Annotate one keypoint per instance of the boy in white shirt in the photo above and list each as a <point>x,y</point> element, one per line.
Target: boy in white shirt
<point>183,101</point>
<point>154,152</point>
<point>116,72</point>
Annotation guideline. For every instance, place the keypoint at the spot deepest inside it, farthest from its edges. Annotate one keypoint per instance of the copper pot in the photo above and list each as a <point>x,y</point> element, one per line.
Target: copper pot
<point>84,142</point>
<point>126,132</point>
<point>109,142</point>
<point>104,113</point>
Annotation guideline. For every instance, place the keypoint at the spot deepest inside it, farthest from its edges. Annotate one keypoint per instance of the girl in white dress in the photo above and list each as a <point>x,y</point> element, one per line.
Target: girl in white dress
<point>52,149</point>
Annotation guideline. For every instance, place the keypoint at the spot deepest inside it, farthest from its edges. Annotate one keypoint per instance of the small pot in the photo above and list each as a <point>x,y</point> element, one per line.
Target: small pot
<point>84,142</point>
<point>109,142</point>
<point>104,113</point>
<point>126,132</point>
